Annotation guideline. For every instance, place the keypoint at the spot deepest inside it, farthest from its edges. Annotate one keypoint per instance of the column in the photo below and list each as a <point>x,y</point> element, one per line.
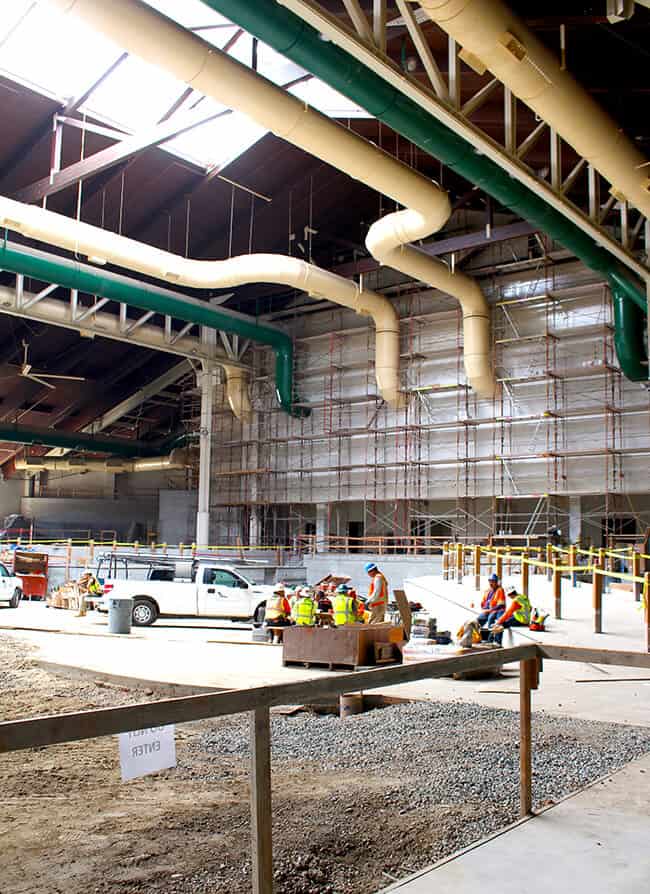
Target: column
<point>206,382</point>
<point>575,519</point>
<point>322,530</point>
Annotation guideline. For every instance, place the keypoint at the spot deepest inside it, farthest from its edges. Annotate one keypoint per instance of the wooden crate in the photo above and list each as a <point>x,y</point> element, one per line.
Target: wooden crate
<point>351,646</point>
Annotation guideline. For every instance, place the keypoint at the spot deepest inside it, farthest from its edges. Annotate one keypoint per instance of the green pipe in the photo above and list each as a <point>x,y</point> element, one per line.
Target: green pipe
<point>629,336</point>
<point>292,37</point>
<point>54,269</point>
<point>48,437</point>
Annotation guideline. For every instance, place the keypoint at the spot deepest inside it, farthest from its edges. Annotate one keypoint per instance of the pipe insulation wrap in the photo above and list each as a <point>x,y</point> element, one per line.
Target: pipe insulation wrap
<point>159,41</point>
<point>288,34</point>
<point>177,459</point>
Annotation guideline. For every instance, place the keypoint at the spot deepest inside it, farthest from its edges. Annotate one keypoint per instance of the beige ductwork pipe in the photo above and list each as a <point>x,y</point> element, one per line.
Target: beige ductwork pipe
<point>101,246</point>
<point>159,41</point>
<point>177,459</point>
<point>493,38</point>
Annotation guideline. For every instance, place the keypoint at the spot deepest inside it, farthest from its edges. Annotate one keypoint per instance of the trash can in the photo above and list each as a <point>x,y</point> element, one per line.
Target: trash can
<point>119,615</point>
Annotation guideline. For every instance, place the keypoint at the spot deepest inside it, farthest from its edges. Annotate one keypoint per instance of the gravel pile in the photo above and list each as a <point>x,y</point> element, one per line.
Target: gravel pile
<point>444,752</point>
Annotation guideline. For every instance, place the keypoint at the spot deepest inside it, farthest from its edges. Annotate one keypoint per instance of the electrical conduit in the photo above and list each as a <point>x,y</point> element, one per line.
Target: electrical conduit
<point>159,41</point>
<point>291,36</point>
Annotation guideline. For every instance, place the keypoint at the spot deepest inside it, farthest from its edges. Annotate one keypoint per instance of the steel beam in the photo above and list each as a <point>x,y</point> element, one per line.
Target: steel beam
<point>454,72</point>
<point>111,156</point>
<point>480,97</point>
<point>423,50</point>
<point>379,23</point>
<point>359,20</point>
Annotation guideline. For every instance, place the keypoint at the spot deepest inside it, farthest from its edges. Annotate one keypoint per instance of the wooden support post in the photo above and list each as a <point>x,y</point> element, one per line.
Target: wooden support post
<point>460,562</point>
<point>499,563</point>
<point>136,547</point>
<point>573,561</point>
<point>549,561</point>
<point>557,591</point>
<point>525,575</point>
<point>636,571</point>
<point>477,567</point>
<point>527,677</point>
<point>597,596</point>
<point>91,550</point>
<point>508,560</point>
<point>260,781</point>
<point>445,561</point>
<point>68,559</point>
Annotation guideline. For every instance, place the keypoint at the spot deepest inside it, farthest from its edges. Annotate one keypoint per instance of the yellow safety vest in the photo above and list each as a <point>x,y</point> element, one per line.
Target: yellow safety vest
<point>275,608</point>
<point>522,614</point>
<point>304,612</point>
<point>344,610</point>
<point>95,588</point>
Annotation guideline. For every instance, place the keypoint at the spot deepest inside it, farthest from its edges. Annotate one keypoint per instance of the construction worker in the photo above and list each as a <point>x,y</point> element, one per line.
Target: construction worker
<point>303,612</point>
<point>377,594</point>
<point>278,610</point>
<point>87,585</point>
<point>324,602</point>
<point>517,615</point>
<point>493,603</point>
<point>345,607</point>
<point>362,614</point>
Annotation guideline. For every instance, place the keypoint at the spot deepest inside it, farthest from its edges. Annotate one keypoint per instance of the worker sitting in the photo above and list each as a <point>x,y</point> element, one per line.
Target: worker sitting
<point>517,615</point>
<point>377,594</point>
<point>324,602</point>
<point>303,612</point>
<point>278,610</point>
<point>493,603</point>
<point>363,615</point>
<point>345,607</point>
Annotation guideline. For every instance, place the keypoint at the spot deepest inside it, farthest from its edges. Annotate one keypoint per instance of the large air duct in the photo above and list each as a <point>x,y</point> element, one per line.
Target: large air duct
<point>177,459</point>
<point>156,39</point>
<point>104,245</point>
<point>294,38</point>
<point>495,39</point>
<point>74,275</point>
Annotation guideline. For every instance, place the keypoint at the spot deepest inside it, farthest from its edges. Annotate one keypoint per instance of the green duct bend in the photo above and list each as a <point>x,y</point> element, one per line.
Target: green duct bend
<point>290,35</point>
<point>629,336</point>
<point>73,275</point>
<point>48,437</point>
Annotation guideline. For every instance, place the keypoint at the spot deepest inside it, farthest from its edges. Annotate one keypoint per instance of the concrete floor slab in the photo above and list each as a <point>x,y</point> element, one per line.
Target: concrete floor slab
<point>594,841</point>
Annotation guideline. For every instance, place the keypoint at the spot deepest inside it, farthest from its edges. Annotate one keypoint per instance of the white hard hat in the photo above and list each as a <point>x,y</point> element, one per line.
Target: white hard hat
<point>511,590</point>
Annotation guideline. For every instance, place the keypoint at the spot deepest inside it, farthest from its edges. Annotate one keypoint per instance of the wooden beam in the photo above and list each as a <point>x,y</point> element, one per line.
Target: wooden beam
<point>595,656</point>
<point>37,731</point>
<point>261,813</point>
<point>527,672</point>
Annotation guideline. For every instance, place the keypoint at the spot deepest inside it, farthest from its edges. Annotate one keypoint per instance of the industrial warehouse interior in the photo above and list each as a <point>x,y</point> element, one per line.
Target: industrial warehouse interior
<point>324,446</point>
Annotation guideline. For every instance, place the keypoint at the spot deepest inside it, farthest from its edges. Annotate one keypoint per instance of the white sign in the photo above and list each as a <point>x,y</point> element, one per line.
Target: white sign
<point>147,751</point>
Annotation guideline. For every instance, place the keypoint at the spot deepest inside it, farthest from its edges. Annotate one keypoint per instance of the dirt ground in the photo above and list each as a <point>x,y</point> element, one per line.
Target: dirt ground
<point>68,824</point>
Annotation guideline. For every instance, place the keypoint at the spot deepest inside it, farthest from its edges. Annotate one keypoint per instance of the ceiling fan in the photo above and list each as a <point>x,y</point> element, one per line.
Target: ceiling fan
<point>27,372</point>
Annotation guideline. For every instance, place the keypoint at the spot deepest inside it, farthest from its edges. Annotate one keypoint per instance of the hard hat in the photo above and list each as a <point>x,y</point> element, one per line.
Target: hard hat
<point>342,588</point>
<point>511,591</point>
<point>493,577</point>
<point>370,566</point>
<point>279,589</point>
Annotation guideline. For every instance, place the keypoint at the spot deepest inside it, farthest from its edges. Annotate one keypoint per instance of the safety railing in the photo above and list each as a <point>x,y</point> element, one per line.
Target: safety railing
<point>38,732</point>
<point>379,545</point>
<point>555,562</point>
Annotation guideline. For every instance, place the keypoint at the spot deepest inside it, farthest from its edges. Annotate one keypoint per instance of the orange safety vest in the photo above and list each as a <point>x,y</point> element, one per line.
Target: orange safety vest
<point>378,594</point>
<point>275,608</point>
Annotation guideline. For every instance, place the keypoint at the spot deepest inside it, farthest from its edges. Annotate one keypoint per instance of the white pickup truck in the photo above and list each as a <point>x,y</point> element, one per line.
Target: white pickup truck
<point>216,591</point>
<point>10,588</point>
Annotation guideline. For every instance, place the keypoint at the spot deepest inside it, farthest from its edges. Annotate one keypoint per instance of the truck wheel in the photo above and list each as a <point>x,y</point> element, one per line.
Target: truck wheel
<point>258,617</point>
<point>15,599</point>
<point>144,613</point>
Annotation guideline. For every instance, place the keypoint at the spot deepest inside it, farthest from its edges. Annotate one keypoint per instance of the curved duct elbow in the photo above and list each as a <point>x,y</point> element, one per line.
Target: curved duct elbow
<point>237,393</point>
<point>384,243</point>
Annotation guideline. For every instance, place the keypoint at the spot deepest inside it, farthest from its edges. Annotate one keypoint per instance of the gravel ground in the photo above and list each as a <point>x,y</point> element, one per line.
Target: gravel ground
<point>357,803</point>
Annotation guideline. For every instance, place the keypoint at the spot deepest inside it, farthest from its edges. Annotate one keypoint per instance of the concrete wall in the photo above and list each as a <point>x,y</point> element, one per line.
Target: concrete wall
<point>94,514</point>
<point>177,516</point>
<point>11,491</point>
